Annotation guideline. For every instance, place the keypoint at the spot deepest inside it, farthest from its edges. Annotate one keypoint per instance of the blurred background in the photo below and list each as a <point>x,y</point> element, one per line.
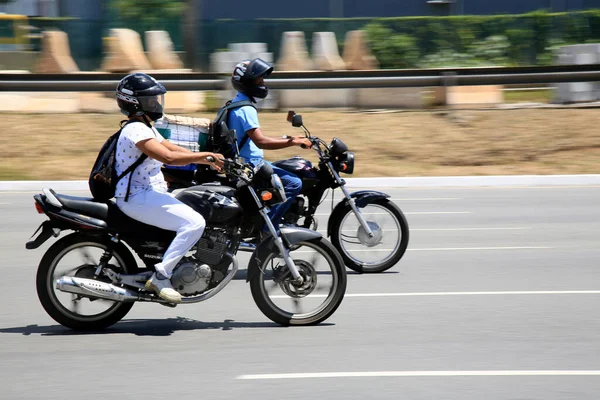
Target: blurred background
<point>401,34</point>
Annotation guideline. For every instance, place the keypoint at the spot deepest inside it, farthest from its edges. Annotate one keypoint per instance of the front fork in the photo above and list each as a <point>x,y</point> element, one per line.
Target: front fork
<point>351,202</point>
<point>279,243</point>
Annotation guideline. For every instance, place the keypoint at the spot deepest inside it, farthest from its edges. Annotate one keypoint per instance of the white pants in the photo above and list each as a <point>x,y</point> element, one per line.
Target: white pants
<point>166,212</point>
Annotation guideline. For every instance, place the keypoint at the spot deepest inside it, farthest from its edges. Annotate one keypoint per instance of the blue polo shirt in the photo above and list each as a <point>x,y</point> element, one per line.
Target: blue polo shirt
<point>242,120</point>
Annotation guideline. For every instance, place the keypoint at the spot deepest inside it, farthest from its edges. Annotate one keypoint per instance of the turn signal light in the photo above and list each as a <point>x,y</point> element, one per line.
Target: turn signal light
<point>39,208</point>
<point>266,196</point>
<point>344,167</point>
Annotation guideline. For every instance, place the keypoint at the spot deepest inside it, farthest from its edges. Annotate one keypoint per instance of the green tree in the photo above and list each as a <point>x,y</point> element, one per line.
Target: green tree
<point>392,50</point>
<point>147,12</point>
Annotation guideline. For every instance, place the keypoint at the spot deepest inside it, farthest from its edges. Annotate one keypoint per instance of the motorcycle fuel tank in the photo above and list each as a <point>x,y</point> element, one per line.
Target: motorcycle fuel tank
<point>298,166</point>
<point>217,204</point>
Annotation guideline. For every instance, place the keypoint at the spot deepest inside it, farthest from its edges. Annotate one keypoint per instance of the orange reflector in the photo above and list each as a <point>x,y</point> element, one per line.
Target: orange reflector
<point>344,167</point>
<point>266,196</point>
<point>39,208</point>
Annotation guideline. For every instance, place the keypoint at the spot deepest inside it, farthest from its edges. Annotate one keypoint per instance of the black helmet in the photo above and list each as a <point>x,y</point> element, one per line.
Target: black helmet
<point>139,94</point>
<point>245,75</point>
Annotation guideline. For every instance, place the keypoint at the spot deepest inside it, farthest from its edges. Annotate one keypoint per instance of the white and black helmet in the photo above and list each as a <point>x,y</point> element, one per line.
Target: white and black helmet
<point>140,94</point>
<point>245,75</point>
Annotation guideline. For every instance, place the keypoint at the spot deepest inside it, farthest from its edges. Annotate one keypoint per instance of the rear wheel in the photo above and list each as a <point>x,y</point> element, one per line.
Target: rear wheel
<point>310,303</point>
<point>79,255</point>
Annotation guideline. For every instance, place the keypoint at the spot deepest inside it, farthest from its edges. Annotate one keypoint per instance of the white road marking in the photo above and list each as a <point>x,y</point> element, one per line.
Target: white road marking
<point>500,293</point>
<point>470,229</point>
<point>416,199</point>
<point>445,229</point>
<point>427,199</point>
<point>383,374</point>
<point>409,213</point>
<point>372,249</point>
<point>475,248</point>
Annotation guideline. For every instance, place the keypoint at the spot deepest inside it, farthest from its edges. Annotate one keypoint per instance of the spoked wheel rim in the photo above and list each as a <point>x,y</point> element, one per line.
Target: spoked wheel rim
<point>82,264</point>
<point>308,300</point>
<point>370,252</point>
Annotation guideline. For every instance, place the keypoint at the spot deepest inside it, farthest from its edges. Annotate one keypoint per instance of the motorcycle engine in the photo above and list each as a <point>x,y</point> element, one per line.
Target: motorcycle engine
<point>191,278</point>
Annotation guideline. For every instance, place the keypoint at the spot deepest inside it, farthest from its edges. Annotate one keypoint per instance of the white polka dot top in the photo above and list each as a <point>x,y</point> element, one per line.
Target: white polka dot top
<point>148,174</point>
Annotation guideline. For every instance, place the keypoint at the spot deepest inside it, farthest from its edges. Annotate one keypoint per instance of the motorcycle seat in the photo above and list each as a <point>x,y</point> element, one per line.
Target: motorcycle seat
<point>108,212</point>
<point>84,205</point>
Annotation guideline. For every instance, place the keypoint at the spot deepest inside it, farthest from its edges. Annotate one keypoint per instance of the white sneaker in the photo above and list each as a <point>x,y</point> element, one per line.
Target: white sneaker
<point>163,288</point>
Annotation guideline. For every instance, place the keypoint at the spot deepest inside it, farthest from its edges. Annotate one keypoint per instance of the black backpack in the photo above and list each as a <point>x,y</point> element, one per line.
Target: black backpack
<point>103,177</point>
<point>221,139</point>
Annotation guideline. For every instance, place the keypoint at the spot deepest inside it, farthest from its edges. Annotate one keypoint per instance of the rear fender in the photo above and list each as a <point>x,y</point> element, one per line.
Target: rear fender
<point>290,235</point>
<point>361,198</point>
<point>49,228</point>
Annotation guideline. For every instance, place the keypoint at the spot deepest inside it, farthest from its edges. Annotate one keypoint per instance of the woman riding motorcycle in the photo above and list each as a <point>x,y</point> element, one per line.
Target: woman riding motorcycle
<point>141,98</point>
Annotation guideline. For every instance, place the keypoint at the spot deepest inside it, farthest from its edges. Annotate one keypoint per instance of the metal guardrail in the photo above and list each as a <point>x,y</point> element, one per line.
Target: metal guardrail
<point>105,82</point>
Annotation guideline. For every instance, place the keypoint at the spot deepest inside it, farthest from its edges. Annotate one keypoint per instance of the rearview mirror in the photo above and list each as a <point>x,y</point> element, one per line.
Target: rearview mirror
<point>290,115</point>
<point>297,120</point>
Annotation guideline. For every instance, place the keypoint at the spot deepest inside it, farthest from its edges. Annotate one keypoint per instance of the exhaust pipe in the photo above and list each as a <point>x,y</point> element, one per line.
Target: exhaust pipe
<point>93,288</point>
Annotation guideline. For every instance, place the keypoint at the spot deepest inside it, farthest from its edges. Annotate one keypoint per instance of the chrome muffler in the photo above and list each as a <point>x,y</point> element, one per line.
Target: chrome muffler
<point>92,288</point>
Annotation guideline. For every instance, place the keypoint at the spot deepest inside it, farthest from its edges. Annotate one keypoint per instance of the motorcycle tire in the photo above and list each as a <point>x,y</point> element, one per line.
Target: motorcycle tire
<point>281,317</point>
<point>45,284</point>
<point>392,260</point>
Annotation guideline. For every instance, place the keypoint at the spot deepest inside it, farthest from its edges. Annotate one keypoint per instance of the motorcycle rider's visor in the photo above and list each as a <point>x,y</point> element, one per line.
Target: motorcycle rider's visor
<point>153,104</point>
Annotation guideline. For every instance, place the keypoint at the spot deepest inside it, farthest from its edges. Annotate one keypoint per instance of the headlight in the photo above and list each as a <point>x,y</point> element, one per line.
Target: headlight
<point>337,147</point>
<point>347,163</point>
<point>278,191</point>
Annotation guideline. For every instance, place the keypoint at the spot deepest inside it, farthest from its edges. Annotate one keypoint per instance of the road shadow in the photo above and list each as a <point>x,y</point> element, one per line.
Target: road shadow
<point>145,327</point>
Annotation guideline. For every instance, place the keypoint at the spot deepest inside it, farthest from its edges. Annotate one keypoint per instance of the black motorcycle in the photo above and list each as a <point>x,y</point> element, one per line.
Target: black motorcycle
<point>369,230</point>
<point>89,279</point>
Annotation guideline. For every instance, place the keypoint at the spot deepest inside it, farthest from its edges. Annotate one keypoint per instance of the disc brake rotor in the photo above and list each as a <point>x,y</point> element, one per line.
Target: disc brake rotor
<point>309,277</point>
<point>364,238</point>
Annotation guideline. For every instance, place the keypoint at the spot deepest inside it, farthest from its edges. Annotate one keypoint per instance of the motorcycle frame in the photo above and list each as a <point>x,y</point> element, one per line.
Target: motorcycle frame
<point>330,179</point>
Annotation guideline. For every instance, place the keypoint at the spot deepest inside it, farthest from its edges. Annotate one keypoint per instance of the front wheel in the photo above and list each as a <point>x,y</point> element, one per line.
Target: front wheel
<point>379,253</point>
<point>312,302</point>
<point>79,255</point>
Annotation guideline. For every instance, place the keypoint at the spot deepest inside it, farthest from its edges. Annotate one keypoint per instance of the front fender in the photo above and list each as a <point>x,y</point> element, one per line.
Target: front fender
<point>290,235</point>
<point>361,198</point>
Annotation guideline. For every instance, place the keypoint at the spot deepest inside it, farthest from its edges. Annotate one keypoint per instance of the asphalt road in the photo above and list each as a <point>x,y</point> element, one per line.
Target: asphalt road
<point>497,297</point>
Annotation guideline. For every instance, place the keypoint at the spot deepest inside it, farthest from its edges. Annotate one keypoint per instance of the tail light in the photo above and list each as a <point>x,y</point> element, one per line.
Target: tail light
<point>39,208</point>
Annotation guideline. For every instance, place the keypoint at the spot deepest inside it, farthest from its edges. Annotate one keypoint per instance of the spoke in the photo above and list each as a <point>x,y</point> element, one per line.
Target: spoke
<point>313,259</point>
<point>75,303</point>
<point>322,288</point>
<point>297,306</point>
<point>270,287</point>
<point>87,256</point>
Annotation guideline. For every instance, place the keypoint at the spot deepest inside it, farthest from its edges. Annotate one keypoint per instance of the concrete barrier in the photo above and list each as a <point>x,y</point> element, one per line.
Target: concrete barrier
<point>456,96</point>
<point>357,55</point>
<point>124,52</point>
<point>325,52</point>
<point>294,54</point>
<point>575,92</point>
<point>55,56</point>
<point>225,62</point>
<point>295,57</point>
<point>473,96</point>
<point>161,53</point>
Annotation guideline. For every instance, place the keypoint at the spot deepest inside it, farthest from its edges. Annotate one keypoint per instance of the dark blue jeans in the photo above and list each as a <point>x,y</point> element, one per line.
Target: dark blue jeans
<point>291,185</point>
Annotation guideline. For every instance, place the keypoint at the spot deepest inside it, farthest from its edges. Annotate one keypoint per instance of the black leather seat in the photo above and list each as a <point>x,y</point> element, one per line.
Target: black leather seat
<point>84,205</point>
<point>115,218</point>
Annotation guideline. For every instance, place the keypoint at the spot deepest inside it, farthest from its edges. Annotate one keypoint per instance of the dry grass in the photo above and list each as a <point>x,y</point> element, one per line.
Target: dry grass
<point>426,143</point>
